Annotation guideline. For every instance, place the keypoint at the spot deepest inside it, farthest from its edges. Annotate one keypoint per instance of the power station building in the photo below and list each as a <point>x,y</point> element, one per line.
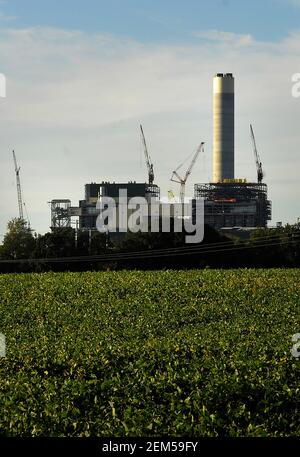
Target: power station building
<point>87,208</point>
<point>230,202</point>
<point>234,203</point>
<point>87,212</point>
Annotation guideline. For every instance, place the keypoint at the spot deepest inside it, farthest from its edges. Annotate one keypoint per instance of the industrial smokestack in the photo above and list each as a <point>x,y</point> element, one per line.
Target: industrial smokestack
<point>223,143</point>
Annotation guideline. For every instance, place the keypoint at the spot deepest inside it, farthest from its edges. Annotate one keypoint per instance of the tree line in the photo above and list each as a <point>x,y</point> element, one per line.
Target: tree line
<point>65,249</point>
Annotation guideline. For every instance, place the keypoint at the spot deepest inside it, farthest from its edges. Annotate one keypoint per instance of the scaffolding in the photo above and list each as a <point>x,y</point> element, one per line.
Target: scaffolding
<point>60,213</point>
<point>234,203</point>
<point>152,191</point>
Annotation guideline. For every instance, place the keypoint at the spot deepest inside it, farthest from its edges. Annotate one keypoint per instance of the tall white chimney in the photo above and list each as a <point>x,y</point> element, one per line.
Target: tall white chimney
<point>223,137</point>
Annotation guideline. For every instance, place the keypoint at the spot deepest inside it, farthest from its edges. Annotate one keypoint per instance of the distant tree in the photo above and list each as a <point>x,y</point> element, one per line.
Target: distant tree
<point>61,242</point>
<point>99,243</point>
<point>281,246</point>
<point>18,243</point>
<point>58,243</point>
<point>91,243</point>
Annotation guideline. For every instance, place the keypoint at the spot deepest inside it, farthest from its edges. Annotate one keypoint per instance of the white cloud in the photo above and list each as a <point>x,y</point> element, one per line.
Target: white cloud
<point>226,37</point>
<point>74,103</point>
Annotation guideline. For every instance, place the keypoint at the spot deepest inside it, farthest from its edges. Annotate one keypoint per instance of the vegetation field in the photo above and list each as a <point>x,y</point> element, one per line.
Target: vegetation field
<point>150,353</point>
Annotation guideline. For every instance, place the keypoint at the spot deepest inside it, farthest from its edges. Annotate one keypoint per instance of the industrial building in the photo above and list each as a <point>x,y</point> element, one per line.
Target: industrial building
<point>87,208</point>
<point>231,202</point>
<point>228,201</point>
<point>62,212</point>
<point>234,204</point>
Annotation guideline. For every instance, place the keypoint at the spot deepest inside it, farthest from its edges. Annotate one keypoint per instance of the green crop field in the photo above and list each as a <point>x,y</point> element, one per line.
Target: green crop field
<point>198,353</point>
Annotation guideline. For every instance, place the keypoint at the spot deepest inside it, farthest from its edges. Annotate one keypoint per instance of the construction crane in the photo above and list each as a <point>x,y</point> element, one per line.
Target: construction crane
<point>260,173</point>
<point>20,201</point>
<point>148,159</point>
<point>182,181</point>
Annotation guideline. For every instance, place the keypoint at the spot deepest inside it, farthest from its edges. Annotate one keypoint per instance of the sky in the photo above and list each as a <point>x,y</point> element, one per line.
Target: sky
<point>81,75</point>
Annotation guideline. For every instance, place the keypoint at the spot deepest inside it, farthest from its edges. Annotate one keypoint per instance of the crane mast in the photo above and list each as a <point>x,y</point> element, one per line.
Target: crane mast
<point>260,173</point>
<point>182,181</point>
<point>19,191</point>
<point>148,159</point>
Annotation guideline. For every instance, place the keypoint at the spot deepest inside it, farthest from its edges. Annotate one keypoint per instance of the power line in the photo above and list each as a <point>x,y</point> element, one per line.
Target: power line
<point>211,248</point>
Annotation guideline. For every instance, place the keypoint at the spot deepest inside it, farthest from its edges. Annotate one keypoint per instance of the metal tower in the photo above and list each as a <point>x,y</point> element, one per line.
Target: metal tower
<point>148,159</point>
<point>260,173</point>
<point>182,181</point>
<point>19,191</point>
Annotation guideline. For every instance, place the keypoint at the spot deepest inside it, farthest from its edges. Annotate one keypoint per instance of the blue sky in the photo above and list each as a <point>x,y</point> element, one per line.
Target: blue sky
<point>83,74</point>
<point>161,21</point>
